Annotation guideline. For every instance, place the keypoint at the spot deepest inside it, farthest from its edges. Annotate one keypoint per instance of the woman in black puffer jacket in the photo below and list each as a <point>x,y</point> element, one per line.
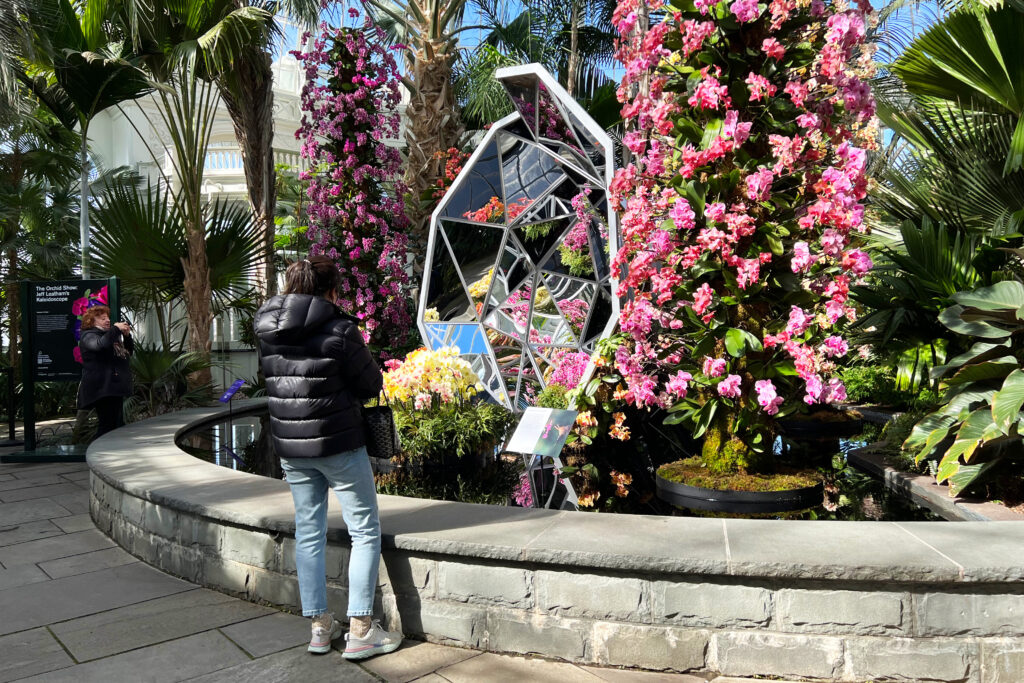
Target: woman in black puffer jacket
<point>318,373</point>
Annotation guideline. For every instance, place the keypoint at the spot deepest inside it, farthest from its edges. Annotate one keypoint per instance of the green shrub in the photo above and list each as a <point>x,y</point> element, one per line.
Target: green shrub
<point>452,429</point>
<point>553,397</point>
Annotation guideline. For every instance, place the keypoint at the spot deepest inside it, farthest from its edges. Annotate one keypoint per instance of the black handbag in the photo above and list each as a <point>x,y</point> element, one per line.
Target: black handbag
<point>381,432</point>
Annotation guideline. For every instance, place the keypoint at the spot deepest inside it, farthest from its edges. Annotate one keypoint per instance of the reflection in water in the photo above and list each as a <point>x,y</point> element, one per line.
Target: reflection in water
<point>242,444</point>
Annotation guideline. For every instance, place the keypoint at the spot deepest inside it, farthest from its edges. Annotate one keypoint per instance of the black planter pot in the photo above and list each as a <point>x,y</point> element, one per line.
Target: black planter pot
<point>742,502</point>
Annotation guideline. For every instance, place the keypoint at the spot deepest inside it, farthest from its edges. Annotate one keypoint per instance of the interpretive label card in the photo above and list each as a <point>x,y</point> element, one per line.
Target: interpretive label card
<point>542,431</point>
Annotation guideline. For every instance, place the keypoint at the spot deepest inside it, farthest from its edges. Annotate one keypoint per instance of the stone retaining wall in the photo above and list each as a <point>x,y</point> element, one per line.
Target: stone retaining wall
<point>819,600</point>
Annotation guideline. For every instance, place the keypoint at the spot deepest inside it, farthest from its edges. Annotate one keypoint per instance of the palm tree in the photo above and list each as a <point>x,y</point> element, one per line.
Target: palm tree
<point>232,39</point>
<point>38,171</point>
<point>141,238</point>
<point>60,53</point>
<point>574,41</point>
<point>429,30</point>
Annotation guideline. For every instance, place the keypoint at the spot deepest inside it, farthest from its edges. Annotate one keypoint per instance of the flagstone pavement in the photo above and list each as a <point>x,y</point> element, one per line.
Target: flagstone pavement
<point>76,607</point>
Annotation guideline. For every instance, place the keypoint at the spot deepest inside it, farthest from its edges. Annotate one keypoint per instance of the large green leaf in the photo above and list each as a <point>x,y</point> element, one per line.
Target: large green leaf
<point>952,318</point>
<point>965,475</point>
<point>1007,294</point>
<point>1007,401</point>
<point>970,58</point>
<point>991,369</point>
<point>971,435</point>
<point>738,341</point>
<point>981,351</point>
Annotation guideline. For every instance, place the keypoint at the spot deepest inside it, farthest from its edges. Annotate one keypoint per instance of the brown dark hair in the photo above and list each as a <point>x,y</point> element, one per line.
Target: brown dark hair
<point>90,315</point>
<point>316,275</point>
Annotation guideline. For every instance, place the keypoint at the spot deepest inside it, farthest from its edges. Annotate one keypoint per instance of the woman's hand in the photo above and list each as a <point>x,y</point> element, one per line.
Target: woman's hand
<point>124,328</point>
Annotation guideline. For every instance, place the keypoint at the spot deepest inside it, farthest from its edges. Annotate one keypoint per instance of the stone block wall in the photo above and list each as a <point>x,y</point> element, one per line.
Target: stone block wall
<point>833,630</point>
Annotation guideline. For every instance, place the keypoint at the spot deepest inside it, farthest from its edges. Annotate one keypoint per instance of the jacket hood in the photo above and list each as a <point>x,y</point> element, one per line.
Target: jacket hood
<point>292,317</point>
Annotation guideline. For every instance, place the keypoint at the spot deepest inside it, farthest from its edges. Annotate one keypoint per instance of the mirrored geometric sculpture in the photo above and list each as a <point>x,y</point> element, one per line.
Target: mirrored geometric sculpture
<point>518,271</point>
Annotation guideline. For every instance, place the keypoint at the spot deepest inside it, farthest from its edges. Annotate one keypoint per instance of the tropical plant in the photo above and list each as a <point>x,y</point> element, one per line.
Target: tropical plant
<point>140,237</point>
<point>971,58</point>
<point>160,382</point>
<point>981,422</point>
<point>429,32</point>
<point>914,278</point>
<point>64,56</point>
<point>38,169</point>
<point>738,255</point>
<point>575,41</point>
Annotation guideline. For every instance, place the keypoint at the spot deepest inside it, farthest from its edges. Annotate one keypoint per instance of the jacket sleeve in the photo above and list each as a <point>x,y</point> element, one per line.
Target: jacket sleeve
<point>361,373</point>
<point>98,343</point>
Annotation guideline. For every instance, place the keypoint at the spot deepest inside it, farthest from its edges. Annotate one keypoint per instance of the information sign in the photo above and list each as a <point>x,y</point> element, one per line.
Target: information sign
<point>542,431</point>
<point>55,312</point>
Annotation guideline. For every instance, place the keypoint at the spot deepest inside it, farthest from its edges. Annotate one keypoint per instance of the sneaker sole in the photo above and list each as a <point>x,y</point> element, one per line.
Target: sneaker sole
<point>324,649</point>
<point>373,652</point>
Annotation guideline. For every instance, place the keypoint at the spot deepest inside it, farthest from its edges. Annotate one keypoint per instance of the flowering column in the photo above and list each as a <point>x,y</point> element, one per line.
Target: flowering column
<point>741,211</point>
<point>356,211</point>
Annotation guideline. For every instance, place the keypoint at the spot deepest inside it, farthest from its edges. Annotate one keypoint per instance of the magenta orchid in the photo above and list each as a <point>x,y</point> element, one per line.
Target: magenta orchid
<point>350,104</point>
<point>741,210</point>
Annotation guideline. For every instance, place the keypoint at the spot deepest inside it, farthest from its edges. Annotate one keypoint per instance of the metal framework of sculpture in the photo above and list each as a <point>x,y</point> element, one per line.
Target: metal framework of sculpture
<point>517,274</point>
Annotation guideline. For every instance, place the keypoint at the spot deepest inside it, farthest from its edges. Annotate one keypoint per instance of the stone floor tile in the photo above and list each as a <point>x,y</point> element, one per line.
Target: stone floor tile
<point>76,596</point>
<point>414,660</point>
<point>77,477</point>
<point>16,483</point>
<point>632,676</point>
<point>175,660</point>
<point>29,531</point>
<point>21,575</point>
<point>270,633</point>
<point>66,488</point>
<point>733,679</point>
<point>153,621</point>
<point>44,549</point>
<point>75,523</point>
<point>431,678</point>
<point>31,511</point>
<point>86,562</point>
<point>29,653</point>
<point>291,665</point>
<point>74,504</point>
<point>6,477</point>
<point>511,669</point>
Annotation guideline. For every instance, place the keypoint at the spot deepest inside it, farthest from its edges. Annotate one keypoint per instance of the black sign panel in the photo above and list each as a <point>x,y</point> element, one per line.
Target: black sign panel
<point>56,310</point>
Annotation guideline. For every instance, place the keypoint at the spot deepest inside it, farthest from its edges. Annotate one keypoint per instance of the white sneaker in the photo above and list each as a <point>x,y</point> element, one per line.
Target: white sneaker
<point>377,641</point>
<point>325,629</point>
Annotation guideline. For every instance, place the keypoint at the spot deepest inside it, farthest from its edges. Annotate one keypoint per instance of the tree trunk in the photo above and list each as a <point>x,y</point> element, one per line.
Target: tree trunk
<point>433,127</point>
<point>574,48</point>
<point>197,300</point>
<point>83,189</point>
<point>248,93</point>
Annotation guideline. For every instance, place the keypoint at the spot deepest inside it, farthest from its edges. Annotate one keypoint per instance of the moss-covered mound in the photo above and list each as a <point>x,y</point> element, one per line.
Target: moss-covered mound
<point>692,472</point>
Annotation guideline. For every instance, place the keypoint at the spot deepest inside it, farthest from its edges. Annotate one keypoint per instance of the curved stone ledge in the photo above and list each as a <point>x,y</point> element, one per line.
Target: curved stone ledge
<point>849,601</point>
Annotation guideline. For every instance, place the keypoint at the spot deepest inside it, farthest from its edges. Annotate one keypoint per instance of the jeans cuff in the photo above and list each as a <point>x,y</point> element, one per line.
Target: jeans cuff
<point>361,613</point>
<point>313,612</point>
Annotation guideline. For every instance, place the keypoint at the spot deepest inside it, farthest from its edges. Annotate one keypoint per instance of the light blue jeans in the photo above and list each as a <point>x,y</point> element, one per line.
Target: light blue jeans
<point>350,476</point>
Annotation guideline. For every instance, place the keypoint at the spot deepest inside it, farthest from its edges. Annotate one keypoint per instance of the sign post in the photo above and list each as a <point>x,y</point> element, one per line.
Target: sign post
<point>539,438</point>
<point>50,324</point>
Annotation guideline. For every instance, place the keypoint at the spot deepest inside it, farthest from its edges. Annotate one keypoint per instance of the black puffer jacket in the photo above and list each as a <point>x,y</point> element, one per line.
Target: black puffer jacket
<point>318,372</point>
<point>104,373</point>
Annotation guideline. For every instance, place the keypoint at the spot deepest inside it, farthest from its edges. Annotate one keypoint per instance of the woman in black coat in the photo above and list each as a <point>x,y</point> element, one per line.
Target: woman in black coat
<point>106,372</point>
<point>319,372</point>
